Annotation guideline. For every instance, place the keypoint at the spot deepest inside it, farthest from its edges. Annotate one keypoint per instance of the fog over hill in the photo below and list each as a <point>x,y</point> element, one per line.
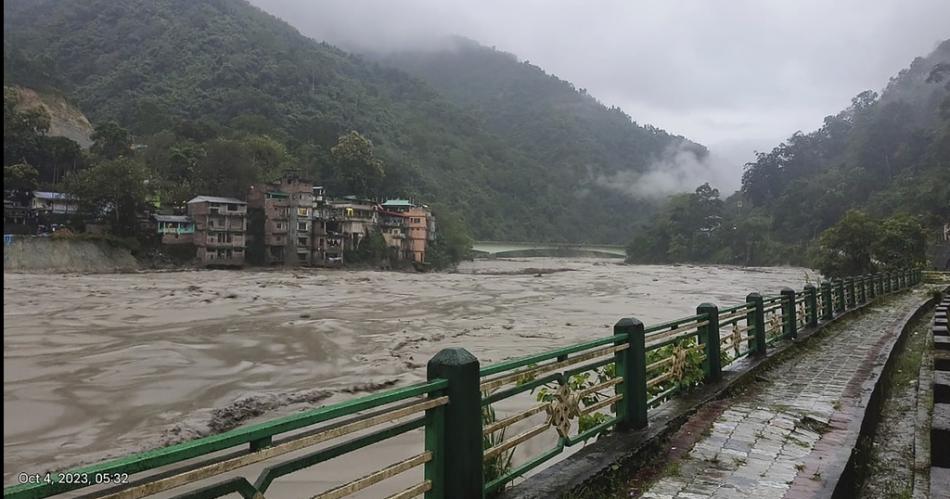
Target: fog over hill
<point>735,76</point>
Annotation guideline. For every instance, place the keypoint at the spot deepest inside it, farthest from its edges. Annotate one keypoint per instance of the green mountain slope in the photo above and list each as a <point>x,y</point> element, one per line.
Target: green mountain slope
<point>539,113</point>
<point>886,155</point>
<point>230,69</point>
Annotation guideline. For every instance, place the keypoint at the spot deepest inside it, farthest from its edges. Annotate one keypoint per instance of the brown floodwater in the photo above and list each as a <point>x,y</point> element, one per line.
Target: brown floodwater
<point>96,366</point>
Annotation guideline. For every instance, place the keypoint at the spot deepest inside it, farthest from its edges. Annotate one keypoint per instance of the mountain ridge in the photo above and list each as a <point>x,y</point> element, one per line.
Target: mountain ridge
<point>231,66</point>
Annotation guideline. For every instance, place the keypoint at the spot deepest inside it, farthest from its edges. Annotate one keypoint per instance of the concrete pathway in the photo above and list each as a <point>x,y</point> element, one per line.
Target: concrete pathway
<point>774,440</point>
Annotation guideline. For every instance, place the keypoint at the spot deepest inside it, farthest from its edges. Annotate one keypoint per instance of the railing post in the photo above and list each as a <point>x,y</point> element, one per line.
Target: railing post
<point>839,299</point>
<point>632,366</point>
<point>827,302</point>
<point>756,319</point>
<point>880,284</point>
<point>862,295</point>
<point>887,282</point>
<point>872,291</point>
<point>811,297</point>
<point>852,297</point>
<point>710,335</point>
<point>790,326</point>
<point>461,466</point>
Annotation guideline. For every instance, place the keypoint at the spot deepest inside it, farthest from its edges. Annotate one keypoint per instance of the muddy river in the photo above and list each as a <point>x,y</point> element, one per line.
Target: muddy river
<point>100,365</point>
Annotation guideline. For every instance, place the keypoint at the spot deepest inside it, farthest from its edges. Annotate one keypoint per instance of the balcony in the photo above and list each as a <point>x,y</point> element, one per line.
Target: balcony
<point>236,242</point>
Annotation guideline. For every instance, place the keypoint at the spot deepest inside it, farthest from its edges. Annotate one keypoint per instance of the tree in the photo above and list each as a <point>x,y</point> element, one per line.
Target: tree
<point>20,177</point>
<point>371,250</point>
<point>268,156</point>
<point>114,192</point>
<point>22,130</point>
<point>226,169</point>
<point>452,243</point>
<point>355,167</point>
<point>19,182</point>
<point>111,141</point>
<point>901,242</point>
<point>845,248</point>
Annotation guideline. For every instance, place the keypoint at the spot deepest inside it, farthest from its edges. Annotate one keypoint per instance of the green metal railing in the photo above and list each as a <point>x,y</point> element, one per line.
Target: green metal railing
<point>466,412</point>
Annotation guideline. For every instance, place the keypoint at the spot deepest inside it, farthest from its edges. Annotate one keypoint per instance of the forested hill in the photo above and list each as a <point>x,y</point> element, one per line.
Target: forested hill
<point>539,113</point>
<point>886,156</point>
<point>202,83</point>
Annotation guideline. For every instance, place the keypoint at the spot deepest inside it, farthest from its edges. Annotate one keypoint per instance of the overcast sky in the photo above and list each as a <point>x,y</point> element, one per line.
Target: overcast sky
<point>735,75</point>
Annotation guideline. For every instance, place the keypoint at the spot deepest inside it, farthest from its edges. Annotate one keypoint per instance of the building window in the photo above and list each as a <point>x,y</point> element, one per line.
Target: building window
<point>301,225</point>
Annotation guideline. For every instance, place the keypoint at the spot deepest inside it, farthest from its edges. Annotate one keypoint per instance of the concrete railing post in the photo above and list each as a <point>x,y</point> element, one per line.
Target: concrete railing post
<point>827,302</point>
<point>632,366</point>
<point>839,296</point>
<point>709,334</point>
<point>755,318</point>
<point>852,297</point>
<point>462,438</point>
<point>790,326</point>
<point>811,297</point>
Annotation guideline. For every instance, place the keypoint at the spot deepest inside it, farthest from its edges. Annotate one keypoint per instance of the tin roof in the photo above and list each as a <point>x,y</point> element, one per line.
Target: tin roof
<point>215,199</point>
<point>51,195</point>
<point>172,218</point>
<point>398,203</point>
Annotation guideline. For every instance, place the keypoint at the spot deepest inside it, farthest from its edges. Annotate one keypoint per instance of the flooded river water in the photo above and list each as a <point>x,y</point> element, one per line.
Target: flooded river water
<point>100,365</point>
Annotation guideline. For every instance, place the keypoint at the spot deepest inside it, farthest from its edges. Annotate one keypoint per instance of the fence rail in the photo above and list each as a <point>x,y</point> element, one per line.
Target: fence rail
<point>579,392</point>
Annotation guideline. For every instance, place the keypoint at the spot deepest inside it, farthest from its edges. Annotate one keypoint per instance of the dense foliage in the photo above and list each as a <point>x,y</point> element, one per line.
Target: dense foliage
<point>25,142</point>
<point>583,144</point>
<point>886,155</point>
<point>859,244</point>
<point>199,84</point>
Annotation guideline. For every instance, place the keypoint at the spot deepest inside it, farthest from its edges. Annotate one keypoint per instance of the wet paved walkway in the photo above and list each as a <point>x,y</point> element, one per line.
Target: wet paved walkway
<point>774,440</point>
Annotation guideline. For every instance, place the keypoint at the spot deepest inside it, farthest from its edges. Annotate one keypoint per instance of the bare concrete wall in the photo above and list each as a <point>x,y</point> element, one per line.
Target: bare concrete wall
<point>44,254</point>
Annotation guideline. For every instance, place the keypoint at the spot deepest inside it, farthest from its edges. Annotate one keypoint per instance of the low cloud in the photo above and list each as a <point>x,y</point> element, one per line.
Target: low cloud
<point>678,170</point>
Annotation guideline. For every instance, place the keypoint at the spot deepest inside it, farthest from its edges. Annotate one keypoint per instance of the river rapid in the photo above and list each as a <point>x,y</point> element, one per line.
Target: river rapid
<point>96,366</point>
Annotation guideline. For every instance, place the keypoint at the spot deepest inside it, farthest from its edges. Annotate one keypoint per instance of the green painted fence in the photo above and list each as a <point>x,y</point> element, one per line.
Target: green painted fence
<point>466,413</point>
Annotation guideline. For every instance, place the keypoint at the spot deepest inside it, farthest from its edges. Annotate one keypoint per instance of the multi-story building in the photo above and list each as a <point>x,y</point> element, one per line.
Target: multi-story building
<point>322,244</point>
<point>392,225</point>
<point>220,228</point>
<point>419,228</point>
<point>281,215</point>
<point>349,221</point>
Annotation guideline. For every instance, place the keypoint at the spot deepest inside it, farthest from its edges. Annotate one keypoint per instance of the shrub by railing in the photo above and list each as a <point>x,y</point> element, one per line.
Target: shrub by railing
<point>578,393</point>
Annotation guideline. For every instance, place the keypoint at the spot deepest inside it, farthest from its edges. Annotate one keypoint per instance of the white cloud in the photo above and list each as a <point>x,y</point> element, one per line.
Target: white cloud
<point>715,71</point>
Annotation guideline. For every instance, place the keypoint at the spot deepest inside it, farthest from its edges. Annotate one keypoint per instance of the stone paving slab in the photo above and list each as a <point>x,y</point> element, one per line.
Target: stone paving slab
<point>940,483</point>
<point>769,436</point>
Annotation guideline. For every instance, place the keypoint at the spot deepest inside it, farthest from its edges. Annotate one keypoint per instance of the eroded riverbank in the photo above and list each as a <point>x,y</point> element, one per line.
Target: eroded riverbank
<point>101,365</point>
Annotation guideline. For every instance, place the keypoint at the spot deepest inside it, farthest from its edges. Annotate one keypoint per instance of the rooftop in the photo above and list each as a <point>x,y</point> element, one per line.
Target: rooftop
<point>172,218</point>
<point>215,199</point>
<point>51,195</point>
<point>398,203</point>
